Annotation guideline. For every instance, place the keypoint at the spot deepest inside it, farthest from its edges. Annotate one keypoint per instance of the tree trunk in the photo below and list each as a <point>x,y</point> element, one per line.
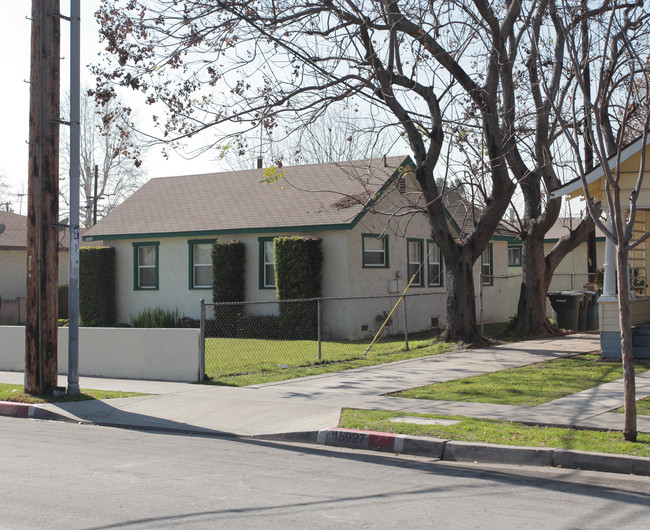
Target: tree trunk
<point>461,300</point>
<point>531,316</point>
<point>627,348</point>
<point>41,327</point>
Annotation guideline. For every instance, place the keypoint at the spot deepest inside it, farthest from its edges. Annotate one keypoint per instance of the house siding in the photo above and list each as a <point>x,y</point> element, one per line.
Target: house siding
<point>13,264</point>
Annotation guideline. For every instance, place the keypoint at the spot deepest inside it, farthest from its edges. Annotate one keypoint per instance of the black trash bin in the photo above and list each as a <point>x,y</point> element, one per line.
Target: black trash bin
<point>566,305</point>
<point>592,310</point>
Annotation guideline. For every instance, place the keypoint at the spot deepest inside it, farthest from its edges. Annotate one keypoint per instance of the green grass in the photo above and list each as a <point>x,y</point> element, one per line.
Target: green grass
<point>242,362</point>
<point>642,407</point>
<point>498,432</point>
<point>17,393</point>
<point>526,386</point>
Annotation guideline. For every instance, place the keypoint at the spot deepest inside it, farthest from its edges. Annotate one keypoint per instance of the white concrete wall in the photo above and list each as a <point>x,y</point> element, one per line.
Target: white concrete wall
<point>124,353</point>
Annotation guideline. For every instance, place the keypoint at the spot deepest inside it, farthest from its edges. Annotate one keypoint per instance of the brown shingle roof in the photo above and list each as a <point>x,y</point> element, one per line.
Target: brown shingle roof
<point>15,235</point>
<point>304,196</point>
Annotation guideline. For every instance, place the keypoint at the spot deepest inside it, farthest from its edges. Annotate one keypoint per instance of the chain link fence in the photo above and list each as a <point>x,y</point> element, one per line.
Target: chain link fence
<point>251,337</point>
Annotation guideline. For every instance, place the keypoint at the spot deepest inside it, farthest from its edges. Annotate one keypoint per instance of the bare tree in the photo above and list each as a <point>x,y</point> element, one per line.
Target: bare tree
<point>4,192</point>
<point>340,135</point>
<point>231,65</point>
<point>108,142</point>
<point>615,102</point>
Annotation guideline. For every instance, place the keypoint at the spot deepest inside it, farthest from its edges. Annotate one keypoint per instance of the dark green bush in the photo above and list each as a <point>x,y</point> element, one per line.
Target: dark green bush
<point>97,286</point>
<point>228,285</point>
<point>298,269</point>
<point>63,301</point>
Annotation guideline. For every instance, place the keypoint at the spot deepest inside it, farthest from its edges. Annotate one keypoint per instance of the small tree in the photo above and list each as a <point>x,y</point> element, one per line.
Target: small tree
<point>108,142</point>
<point>618,102</point>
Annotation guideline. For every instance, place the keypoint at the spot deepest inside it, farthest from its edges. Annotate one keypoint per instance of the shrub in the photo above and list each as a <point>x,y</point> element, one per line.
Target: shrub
<point>298,268</point>
<point>228,285</point>
<point>155,318</point>
<point>97,286</point>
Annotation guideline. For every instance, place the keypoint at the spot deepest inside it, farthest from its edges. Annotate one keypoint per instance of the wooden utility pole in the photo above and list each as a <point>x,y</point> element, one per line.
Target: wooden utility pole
<point>43,194</point>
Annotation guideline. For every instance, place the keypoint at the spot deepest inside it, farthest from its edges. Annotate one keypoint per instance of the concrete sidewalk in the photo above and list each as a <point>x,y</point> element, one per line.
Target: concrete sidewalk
<point>313,404</point>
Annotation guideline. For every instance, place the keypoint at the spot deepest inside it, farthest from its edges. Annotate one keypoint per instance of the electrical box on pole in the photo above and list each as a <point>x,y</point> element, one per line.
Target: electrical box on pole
<point>41,326</point>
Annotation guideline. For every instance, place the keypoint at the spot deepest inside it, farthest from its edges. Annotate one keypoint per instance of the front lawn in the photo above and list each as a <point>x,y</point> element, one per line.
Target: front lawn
<point>497,432</point>
<point>527,385</point>
<point>242,362</point>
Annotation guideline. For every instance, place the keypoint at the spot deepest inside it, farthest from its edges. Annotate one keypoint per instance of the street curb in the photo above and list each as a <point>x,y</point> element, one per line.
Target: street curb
<point>435,448</point>
<point>479,453</point>
<point>25,410</point>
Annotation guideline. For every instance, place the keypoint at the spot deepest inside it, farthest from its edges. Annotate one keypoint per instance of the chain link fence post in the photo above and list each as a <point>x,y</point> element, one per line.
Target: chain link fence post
<point>406,325</point>
<point>202,343</point>
<point>480,283</point>
<point>319,325</point>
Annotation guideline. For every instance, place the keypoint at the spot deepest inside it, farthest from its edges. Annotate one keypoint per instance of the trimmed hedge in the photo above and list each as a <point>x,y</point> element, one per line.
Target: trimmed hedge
<point>228,285</point>
<point>97,286</point>
<point>298,270</point>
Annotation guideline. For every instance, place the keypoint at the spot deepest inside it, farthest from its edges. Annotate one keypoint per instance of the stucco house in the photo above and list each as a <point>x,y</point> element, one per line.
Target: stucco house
<point>374,237</point>
<point>629,167</point>
<point>13,266</point>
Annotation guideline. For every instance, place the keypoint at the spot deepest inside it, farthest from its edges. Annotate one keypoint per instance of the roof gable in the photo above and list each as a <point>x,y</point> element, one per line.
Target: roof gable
<point>629,154</point>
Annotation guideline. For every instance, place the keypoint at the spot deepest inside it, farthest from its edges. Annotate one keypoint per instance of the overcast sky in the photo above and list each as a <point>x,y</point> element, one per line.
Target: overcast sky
<point>14,95</point>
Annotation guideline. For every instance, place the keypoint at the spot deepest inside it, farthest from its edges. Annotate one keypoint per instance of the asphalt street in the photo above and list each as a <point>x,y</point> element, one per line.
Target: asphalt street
<point>63,475</point>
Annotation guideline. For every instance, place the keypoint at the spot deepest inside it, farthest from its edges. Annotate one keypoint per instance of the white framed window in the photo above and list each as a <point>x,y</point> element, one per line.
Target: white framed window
<point>145,260</point>
<point>375,250</point>
<point>434,265</point>
<point>267,263</point>
<point>514,256</point>
<point>486,266</point>
<point>415,261</point>
<point>200,260</point>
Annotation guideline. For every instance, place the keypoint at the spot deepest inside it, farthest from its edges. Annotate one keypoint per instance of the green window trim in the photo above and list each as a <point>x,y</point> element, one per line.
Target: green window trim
<point>440,264</point>
<point>510,262</point>
<point>191,264</point>
<point>410,265</point>
<point>263,264</point>
<point>137,266</point>
<point>487,268</point>
<point>366,253</point>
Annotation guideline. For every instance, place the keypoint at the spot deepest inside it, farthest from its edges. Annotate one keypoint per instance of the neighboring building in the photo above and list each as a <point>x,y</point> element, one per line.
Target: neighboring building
<point>628,171</point>
<point>13,266</point>
<point>367,213</point>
